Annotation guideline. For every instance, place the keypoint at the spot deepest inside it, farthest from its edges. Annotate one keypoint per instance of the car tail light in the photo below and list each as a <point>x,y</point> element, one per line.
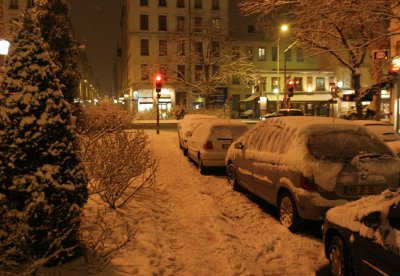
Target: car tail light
<point>208,145</point>
<point>307,183</point>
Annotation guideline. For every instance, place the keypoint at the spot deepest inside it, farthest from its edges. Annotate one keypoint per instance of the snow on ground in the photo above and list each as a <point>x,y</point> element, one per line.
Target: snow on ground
<point>190,224</point>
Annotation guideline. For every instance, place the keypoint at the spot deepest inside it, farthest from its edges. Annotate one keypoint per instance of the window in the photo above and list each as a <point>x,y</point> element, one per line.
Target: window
<point>144,47</point>
<point>215,48</point>
<point>144,22</point>
<point>144,69</point>
<point>13,4</point>
<point>236,80</point>
<point>198,22</point>
<point>198,72</point>
<point>181,48</point>
<point>235,52</point>
<point>215,4</point>
<point>181,72</point>
<point>298,84</point>
<point>288,55</point>
<point>162,22</point>
<point>251,28</point>
<point>261,53</point>
<point>31,3</point>
<point>144,3</point>
<point>198,48</point>
<point>320,84</point>
<point>274,83</point>
<point>162,47</point>
<point>215,24</point>
<point>180,3</point>
<point>198,4</point>
<point>162,3</point>
<point>180,23</point>
<point>274,53</point>
<point>249,52</point>
<point>300,55</point>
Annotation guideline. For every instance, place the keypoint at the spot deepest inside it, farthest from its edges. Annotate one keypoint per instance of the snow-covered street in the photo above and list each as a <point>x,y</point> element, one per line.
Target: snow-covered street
<point>189,224</point>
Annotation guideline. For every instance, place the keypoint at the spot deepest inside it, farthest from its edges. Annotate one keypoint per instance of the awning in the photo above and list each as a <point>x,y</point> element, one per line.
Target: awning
<point>304,97</point>
<point>250,98</point>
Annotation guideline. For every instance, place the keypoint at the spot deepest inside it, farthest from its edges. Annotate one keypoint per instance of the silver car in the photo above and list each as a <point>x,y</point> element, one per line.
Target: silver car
<point>306,165</point>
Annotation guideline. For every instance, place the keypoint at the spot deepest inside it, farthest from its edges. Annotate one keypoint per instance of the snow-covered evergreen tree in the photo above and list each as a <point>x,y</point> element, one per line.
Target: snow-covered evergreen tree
<point>64,49</point>
<point>42,180</point>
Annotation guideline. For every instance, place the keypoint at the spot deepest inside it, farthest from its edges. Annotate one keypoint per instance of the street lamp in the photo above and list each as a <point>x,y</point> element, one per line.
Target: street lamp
<point>283,29</point>
<point>4,45</point>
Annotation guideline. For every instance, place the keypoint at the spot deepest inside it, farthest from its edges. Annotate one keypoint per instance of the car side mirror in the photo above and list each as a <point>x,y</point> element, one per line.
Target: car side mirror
<point>188,133</point>
<point>239,145</point>
<point>372,220</point>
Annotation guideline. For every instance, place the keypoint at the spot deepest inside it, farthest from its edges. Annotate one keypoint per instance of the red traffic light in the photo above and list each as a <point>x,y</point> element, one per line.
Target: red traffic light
<point>159,82</point>
<point>290,88</point>
<point>290,83</point>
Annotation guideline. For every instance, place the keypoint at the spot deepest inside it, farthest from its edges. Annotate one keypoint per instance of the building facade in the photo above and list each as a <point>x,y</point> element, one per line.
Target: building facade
<point>163,36</point>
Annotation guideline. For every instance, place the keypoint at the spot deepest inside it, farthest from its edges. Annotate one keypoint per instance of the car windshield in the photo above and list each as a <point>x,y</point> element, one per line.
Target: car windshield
<point>344,145</point>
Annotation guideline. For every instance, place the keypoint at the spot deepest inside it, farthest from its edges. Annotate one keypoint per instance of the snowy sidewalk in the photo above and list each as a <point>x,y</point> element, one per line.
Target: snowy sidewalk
<point>190,224</point>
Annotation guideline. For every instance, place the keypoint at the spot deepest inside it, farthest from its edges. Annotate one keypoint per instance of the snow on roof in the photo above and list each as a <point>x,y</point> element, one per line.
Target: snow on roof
<point>302,122</point>
<point>350,214</point>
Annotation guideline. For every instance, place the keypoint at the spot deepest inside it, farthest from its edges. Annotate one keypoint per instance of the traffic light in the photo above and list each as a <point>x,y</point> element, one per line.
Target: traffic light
<point>159,83</point>
<point>290,88</point>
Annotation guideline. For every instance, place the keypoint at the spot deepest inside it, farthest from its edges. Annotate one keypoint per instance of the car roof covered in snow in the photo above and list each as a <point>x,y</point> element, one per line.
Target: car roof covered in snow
<point>304,122</point>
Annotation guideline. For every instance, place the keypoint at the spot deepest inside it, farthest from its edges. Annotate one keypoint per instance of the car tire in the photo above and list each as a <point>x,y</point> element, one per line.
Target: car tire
<point>202,170</point>
<point>185,152</point>
<point>232,179</point>
<point>288,215</point>
<point>339,260</point>
<point>352,117</point>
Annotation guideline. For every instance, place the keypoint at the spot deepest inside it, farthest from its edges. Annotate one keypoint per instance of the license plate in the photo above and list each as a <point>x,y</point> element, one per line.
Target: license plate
<point>361,190</point>
<point>226,146</point>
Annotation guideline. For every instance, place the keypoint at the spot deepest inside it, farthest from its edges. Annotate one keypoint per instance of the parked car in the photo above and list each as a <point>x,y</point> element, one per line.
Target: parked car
<point>362,237</point>
<point>384,131</point>
<point>187,124</point>
<point>210,140</point>
<point>306,165</point>
<point>351,113</point>
<point>285,112</point>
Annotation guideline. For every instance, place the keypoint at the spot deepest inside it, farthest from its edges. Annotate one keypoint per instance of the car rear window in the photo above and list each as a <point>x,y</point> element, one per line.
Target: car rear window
<point>291,113</point>
<point>344,145</point>
<point>227,132</point>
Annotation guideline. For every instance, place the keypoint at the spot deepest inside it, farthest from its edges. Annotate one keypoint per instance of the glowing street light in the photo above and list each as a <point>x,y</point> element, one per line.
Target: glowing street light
<point>4,45</point>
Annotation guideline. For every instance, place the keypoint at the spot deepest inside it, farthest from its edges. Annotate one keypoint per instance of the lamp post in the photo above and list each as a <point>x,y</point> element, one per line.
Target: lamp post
<point>283,29</point>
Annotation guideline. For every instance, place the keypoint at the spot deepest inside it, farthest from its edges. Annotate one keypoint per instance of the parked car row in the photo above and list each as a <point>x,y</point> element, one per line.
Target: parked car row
<point>316,168</point>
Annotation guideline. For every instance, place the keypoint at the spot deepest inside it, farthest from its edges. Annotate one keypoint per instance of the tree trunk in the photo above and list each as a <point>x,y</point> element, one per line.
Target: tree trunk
<point>356,77</point>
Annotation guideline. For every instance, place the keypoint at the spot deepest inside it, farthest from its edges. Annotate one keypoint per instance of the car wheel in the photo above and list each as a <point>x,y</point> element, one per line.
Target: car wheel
<point>203,170</point>
<point>232,179</point>
<point>288,214</point>
<point>338,258</point>
<point>353,117</point>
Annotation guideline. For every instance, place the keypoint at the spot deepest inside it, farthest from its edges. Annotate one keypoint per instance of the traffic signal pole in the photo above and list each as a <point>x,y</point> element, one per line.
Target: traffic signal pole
<point>159,83</point>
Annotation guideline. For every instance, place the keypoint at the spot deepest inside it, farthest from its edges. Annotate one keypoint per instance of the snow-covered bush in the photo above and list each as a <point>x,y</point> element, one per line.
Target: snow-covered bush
<point>42,181</point>
<point>118,162</point>
<point>105,234</point>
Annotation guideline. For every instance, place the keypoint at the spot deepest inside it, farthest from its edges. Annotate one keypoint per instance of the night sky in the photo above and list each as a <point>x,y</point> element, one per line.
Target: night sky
<point>96,24</point>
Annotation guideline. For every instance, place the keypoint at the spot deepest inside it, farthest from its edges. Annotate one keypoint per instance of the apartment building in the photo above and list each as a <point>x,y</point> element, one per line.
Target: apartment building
<point>159,36</point>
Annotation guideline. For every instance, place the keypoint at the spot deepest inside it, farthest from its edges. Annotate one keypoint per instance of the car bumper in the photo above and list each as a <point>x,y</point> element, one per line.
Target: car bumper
<point>213,159</point>
<point>313,206</point>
